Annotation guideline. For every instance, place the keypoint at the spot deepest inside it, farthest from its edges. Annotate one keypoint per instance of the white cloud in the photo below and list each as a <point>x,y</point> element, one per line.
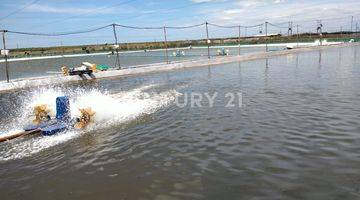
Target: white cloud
<point>249,12</point>
<point>279,1</point>
<point>233,11</point>
<point>66,10</point>
<point>257,3</point>
<point>203,1</point>
<point>245,3</point>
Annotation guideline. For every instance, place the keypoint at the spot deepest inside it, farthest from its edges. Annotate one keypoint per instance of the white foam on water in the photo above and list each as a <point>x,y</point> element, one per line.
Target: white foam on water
<point>110,110</point>
<point>42,96</point>
<point>121,107</point>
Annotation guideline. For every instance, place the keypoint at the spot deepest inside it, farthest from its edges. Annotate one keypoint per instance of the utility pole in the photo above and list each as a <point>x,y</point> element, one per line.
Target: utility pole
<point>290,29</point>
<point>207,39</point>
<point>266,34</point>
<point>239,27</point>
<point>166,47</point>
<point>297,34</point>
<point>62,48</point>
<point>319,30</point>
<point>341,32</point>
<point>351,25</point>
<point>117,62</point>
<point>6,56</point>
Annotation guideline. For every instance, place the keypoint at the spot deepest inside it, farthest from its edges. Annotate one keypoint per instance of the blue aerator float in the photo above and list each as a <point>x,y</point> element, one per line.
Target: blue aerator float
<point>46,126</point>
<point>61,122</point>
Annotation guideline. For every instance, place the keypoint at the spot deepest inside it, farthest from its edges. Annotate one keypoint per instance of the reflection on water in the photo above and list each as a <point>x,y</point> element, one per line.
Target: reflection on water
<point>320,54</point>
<point>295,137</point>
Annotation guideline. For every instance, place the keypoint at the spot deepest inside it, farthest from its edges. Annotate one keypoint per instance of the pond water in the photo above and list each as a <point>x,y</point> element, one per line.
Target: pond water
<point>292,131</point>
<point>46,67</point>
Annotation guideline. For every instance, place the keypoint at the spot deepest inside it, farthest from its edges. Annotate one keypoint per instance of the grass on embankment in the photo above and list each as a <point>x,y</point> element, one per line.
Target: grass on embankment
<point>61,50</point>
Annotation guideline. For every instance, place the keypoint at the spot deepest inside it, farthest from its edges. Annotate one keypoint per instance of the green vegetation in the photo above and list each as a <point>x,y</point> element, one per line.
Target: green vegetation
<point>62,50</point>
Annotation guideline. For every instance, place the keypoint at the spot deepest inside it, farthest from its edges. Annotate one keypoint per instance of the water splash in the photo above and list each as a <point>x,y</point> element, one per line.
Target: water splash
<point>110,109</point>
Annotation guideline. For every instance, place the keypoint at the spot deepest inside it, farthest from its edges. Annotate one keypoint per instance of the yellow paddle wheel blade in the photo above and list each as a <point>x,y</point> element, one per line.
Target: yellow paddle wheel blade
<point>41,113</point>
<point>86,117</point>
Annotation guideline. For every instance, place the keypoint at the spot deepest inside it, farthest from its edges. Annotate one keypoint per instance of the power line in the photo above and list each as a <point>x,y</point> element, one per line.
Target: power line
<point>58,34</point>
<point>88,12</point>
<point>119,25</point>
<point>236,26</point>
<point>275,25</point>
<point>323,19</point>
<point>132,17</point>
<point>165,9</point>
<point>158,27</point>
<point>143,28</point>
<point>138,27</point>
<point>157,11</point>
<point>19,10</point>
<point>222,26</point>
<point>185,27</point>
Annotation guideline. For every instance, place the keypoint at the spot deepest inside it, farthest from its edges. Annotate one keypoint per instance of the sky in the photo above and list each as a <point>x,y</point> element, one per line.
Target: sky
<point>53,16</point>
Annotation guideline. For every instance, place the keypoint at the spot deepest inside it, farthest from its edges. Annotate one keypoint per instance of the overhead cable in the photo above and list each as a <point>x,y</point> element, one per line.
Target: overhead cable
<point>59,34</point>
<point>19,10</point>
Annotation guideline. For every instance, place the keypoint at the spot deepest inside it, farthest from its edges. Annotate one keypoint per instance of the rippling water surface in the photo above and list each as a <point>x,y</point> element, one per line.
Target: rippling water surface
<point>46,67</point>
<point>296,135</point>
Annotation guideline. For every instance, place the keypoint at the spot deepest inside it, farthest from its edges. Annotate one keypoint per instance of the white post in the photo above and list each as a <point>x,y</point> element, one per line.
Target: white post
<point>6,57</point>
